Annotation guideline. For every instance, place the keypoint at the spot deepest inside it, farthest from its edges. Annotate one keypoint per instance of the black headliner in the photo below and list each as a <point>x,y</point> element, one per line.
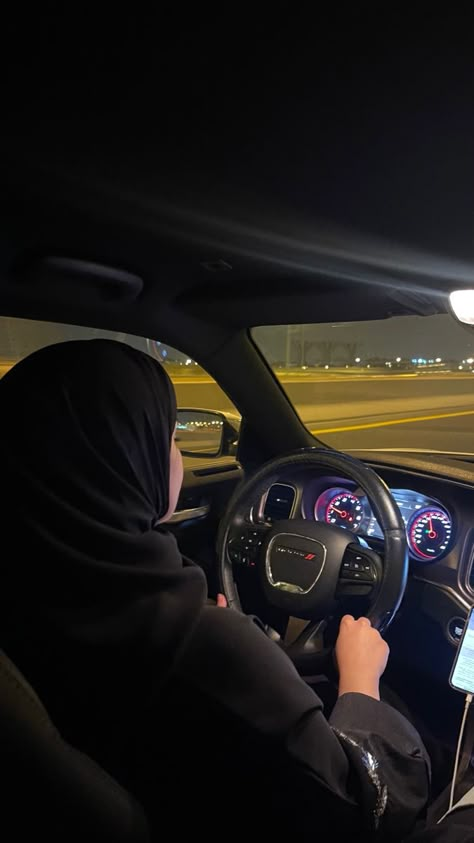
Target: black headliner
<point>312,160</point>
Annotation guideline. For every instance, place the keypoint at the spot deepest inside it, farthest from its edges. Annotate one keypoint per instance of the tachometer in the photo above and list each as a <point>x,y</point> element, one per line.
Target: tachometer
<point>341,508</point>
<point>429,534</point>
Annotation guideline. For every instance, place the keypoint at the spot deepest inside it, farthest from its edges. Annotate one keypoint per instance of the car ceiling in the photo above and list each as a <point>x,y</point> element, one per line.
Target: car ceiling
<point>248,174</point>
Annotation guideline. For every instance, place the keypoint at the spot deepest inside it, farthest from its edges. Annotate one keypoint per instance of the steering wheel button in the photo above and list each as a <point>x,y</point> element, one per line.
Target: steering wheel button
<point>361,576</point>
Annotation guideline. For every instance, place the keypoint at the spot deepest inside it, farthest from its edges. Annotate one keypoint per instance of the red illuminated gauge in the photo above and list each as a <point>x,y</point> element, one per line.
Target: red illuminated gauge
<point>429,534</point>
<point>341,508</point>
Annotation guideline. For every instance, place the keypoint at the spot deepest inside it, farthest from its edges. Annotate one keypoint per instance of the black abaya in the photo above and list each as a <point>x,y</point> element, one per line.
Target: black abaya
<point>186,704</point>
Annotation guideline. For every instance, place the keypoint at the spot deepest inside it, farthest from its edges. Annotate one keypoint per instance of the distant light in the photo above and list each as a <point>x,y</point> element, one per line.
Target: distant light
<point>414,360</point>
<point>399,359</point>
<point>164,353</point>
<point>470,360</point>
<point>368,365</point>
<point>438,360</point>
<point>304,367</point>
<point>357,360</point>
<point>420,360</point>
<point>326,367</point>
<point>188,361</point>
<point>459,367</point>
<point>462,304</point>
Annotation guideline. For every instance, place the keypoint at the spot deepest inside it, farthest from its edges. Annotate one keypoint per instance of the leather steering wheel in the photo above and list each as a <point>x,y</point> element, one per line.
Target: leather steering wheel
<point>307,568</point>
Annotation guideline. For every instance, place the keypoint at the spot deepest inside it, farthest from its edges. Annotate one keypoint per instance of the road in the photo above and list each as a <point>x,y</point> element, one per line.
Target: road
<point>361,410</point>
<point>391,411</point>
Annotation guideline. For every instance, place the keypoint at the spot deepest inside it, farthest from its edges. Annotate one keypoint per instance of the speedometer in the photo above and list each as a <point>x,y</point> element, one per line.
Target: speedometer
<point>429,534</point>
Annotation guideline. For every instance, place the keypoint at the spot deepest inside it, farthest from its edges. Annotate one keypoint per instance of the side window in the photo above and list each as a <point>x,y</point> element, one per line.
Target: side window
<point>200,433</point>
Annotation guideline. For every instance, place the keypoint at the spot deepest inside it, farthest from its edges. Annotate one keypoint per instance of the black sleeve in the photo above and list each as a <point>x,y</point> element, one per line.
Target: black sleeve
<point>457,827</point>
<point>367,766</point>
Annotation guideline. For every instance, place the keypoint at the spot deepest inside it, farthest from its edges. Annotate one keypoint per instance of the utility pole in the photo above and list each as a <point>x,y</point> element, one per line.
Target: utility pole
<point>288,346</point>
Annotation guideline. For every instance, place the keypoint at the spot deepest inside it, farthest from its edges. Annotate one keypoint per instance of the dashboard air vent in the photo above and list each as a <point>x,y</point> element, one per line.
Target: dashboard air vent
<point>471,572</point>
<point>279,502</point>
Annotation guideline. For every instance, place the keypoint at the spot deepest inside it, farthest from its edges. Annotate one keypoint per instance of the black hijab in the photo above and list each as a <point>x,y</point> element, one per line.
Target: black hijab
<point>95,600</point>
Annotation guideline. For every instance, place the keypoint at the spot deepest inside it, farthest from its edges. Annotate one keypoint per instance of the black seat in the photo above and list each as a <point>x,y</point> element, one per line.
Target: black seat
<point>50,790</point>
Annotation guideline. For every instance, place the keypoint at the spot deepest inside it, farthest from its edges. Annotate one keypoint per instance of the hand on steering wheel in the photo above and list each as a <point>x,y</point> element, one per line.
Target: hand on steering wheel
<point>306,568</point>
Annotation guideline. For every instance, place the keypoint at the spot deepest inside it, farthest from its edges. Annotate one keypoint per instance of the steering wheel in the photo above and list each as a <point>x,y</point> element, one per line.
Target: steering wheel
<point>308,568</point>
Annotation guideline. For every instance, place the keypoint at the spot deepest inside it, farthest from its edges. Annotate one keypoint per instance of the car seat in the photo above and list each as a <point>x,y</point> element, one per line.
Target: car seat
<point>50,790</point>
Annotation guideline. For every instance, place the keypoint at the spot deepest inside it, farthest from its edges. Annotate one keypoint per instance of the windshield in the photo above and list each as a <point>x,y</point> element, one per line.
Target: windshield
<point>400,383</point>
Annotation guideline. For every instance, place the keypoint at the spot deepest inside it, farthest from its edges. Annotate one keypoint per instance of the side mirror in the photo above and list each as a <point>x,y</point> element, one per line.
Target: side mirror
<point>207,433</point>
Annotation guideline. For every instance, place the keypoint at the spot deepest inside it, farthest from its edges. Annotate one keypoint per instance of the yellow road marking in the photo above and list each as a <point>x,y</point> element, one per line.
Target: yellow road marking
<point>393,421</point>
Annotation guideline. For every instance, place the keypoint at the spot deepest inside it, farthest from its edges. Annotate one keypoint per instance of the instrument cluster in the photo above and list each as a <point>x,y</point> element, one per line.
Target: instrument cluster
<point>429,526</point>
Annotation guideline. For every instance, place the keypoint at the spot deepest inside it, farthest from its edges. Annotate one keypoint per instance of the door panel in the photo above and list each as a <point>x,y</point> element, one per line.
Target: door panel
<point>207,487</point>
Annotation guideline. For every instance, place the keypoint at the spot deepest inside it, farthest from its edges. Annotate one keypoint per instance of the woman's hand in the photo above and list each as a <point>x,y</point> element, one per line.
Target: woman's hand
<point>220,601</point>
<point>361,655</point>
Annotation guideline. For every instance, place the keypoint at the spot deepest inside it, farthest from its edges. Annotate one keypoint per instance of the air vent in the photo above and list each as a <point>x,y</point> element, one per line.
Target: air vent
<point>470,567</point>
<point>279,502</point>
<point>471,572</point>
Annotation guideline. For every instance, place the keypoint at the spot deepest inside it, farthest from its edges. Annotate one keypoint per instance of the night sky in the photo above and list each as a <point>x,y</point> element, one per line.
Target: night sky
<point>404,336</point>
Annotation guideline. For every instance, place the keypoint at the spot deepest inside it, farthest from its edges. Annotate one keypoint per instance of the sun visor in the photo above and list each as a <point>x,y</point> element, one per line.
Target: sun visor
<point>66,279</point>
<point>416,302</point>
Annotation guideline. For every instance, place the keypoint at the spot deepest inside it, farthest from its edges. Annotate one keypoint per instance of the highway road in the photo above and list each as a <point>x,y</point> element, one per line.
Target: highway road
<point>361,410</point>
<point>433,412</point>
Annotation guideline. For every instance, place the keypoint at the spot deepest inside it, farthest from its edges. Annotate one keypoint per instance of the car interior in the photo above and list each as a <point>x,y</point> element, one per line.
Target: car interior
<point>202,221</point>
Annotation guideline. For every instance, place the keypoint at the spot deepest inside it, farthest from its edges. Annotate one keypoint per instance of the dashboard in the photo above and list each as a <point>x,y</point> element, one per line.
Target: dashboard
<point>435,495</point>
<point>429,525</point>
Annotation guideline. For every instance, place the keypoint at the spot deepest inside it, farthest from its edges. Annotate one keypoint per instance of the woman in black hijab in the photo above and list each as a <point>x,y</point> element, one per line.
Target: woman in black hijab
<point>190,706</point>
